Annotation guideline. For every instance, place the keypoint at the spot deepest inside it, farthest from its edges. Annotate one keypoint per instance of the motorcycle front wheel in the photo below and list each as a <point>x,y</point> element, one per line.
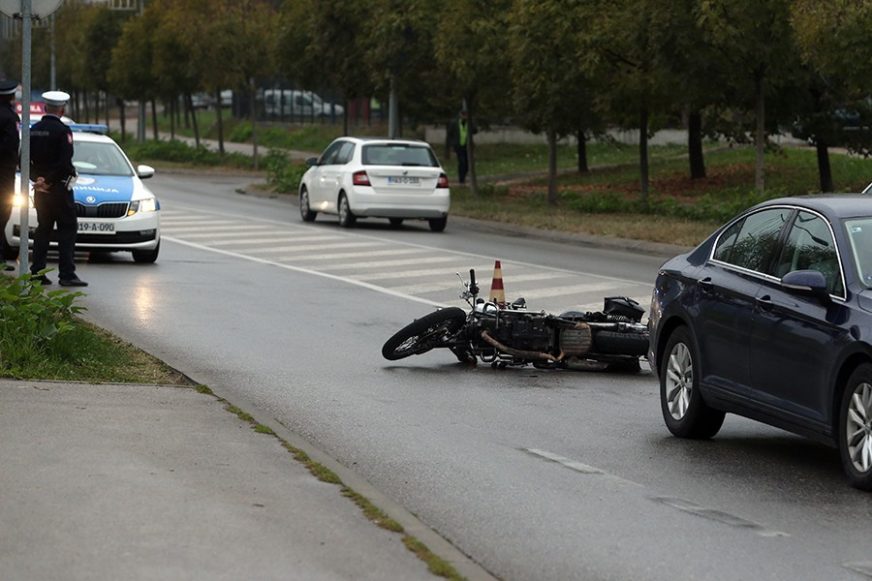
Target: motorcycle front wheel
<point>422,335</point>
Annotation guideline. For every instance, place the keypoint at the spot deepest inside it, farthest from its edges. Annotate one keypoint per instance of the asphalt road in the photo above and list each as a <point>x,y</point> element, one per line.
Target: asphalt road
<point>535,474</point>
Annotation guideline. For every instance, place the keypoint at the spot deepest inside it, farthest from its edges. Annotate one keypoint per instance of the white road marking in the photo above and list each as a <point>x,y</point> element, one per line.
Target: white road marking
<point>241,234</point>
<point>229,226</point>
<point>335,255</point>
<point>718,516</point>
<point>450,283</point>
<point>278,239</point>
<point>443,271</point>
<point>562,290</point>
<point>311,247</point>
<point>385,263</point>
<point>414,245</point>
<point>580,467</point>
<point>361,284</point>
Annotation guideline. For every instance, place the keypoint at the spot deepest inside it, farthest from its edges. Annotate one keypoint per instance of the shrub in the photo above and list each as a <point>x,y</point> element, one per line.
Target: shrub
<point>282,173</point>
<point>35,325</point>
<point>181,152</point>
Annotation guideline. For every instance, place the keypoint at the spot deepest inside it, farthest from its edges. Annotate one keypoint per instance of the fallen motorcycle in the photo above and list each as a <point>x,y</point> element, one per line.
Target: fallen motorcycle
<point>510,335</point>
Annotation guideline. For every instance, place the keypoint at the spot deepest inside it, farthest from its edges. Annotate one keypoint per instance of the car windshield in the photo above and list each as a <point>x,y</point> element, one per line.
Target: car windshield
<point>104,159</point>
<point>398,154</point>
<point>860,234</point>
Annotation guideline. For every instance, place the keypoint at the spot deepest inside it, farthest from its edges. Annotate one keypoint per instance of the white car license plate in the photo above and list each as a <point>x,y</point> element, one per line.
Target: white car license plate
<point>403,180</point>
<point>96,227</point>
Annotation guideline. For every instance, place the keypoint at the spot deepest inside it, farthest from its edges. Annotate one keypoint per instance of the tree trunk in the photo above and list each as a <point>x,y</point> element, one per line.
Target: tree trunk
<point>470,151</point>
<point>220,119</point>
<point>190,107</point>
<point>694,145</point>
<point>154,119</point>
<point>760,134</point>
<point>823,157</point>
<point>581,147</point>
<point>345,117</point>
<point>186,110</point>
<point>123,113</point>
<point>643,154</point>
<point>172,109</point>
<point>253,90</point>
<point>552,167</point>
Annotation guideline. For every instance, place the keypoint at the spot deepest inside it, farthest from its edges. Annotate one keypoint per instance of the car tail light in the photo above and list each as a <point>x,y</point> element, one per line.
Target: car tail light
<point>442,182</point>
<point>359,178</point>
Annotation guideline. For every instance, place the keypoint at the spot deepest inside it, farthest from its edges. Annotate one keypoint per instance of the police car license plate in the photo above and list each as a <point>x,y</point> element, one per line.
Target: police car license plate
<point>403,180</point>
<point>96,227</point>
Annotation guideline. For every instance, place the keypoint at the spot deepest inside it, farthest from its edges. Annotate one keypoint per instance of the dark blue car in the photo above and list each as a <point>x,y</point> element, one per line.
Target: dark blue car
<point>771,318</point>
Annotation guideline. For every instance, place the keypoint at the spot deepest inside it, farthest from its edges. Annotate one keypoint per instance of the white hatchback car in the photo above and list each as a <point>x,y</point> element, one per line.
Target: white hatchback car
<point>116,212</point>
<point>359,177</point>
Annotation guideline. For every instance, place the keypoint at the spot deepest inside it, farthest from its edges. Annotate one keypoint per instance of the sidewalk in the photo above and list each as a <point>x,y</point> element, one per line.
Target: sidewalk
<point>161,482</point>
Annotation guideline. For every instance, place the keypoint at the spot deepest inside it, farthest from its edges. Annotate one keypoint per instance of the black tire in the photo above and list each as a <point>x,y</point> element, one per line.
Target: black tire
<point>347,218</point>
<point>395,222</point>
<point>617,343</point>
<point>438,224</point>
<point>146,256</point>
<point>855,428</point>
<point>685,412</point>
<point>306,212</point>
<point>421,335</point>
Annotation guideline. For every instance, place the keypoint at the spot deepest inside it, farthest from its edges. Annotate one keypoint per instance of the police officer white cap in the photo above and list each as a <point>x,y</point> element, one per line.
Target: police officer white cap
<point>56,98</point>
<point>8,87</point>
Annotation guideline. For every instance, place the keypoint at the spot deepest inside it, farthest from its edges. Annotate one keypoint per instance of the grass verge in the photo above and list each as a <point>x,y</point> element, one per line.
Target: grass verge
<point>42,337</point>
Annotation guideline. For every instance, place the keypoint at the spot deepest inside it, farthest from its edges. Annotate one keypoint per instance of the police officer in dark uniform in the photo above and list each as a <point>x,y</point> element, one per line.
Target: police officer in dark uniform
<point>9,142</point>
<point>53,175</point>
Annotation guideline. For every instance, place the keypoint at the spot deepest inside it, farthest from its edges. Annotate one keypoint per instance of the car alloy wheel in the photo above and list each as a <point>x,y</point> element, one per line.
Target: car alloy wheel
<point>679,380</point>
<point>346,216</point>
<point>306,212</point>
<point>859,428</point>
<point>684,409</point>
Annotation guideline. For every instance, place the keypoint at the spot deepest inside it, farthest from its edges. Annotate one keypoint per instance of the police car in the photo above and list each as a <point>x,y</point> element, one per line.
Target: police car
<point>116,212</point>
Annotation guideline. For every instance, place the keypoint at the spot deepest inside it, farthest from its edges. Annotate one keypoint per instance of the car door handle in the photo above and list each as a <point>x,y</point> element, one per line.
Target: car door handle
<point>706,284</point>
<point>765,302</point>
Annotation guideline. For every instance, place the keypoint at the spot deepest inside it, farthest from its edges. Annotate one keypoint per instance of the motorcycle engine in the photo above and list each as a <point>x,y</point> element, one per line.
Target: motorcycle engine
<point>521,331</point>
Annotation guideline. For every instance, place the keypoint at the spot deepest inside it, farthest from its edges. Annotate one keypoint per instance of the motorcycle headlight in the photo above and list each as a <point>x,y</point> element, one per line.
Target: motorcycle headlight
<point>146,205</point>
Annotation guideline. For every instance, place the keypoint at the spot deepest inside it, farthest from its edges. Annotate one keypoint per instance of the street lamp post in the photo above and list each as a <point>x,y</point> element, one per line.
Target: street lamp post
<point>27,10</point>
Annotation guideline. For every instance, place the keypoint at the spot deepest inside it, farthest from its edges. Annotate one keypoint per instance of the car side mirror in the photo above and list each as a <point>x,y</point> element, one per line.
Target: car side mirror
<point>810,282</point>
<point>312,161</point>
<point>144,171</point>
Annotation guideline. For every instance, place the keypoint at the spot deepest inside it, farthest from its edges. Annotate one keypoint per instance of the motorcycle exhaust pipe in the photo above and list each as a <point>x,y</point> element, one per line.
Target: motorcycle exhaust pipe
<point>520,353</point>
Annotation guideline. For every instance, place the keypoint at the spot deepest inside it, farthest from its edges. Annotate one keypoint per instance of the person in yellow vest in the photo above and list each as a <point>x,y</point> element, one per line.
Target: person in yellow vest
<point>459,132</point>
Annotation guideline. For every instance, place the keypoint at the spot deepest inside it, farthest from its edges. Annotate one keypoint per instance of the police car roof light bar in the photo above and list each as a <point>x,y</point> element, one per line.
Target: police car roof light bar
<point>90,128</point>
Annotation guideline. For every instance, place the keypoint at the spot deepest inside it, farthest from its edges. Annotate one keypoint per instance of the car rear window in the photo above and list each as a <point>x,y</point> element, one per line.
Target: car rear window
<point>398,154</point>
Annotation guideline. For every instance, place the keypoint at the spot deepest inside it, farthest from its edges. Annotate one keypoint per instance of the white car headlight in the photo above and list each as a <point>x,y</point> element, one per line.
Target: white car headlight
<point>144,205</point>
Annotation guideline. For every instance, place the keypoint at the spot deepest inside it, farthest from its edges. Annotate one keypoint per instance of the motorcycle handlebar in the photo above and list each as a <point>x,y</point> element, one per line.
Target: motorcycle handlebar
<point>473,288</point>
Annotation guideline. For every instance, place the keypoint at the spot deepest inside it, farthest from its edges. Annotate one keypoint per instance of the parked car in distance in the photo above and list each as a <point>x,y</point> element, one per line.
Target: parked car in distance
<point>376,178</point>
<point>771,318</point>
<point>115,210</point>
<point>294,103</point>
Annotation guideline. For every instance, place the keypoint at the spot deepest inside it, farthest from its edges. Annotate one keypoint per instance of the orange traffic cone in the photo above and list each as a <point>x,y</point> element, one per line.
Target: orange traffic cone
<point>497,294</point>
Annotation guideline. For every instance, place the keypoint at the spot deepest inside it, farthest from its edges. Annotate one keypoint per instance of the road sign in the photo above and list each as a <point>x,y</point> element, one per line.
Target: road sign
<point>39,8</point>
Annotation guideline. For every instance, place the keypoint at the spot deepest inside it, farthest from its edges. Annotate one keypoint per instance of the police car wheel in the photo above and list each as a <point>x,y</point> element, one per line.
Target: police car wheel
<point>146,256</point>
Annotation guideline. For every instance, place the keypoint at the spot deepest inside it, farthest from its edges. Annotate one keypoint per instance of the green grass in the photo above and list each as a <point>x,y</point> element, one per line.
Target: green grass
<point>41,337</point>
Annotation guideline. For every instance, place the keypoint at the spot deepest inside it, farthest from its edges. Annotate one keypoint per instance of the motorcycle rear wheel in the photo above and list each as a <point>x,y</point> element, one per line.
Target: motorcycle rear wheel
<point>422,335</point>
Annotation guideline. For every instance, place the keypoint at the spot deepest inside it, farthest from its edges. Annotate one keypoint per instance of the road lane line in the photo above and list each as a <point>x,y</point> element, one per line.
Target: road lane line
<point>717,516</point>
<point>861,567</point>
<point>277,239</point>
<point>441,271</point>
<point>372,287</point>
<point>575,465</point>
<point>218,228</point>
